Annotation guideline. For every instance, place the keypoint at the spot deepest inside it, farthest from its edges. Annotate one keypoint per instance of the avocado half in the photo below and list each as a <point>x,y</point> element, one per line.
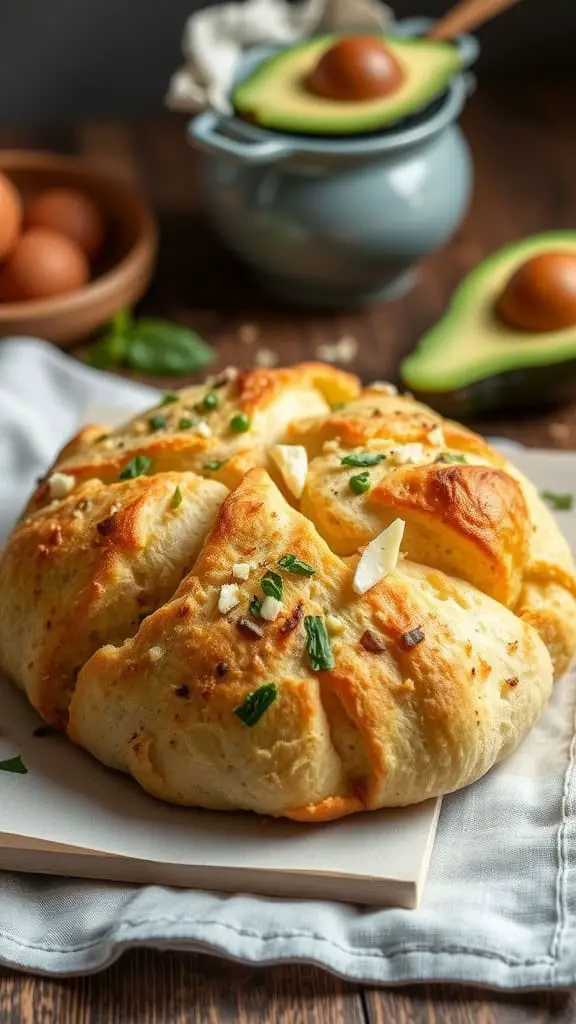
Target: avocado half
<point>471,362</point>
<point>275,95</point>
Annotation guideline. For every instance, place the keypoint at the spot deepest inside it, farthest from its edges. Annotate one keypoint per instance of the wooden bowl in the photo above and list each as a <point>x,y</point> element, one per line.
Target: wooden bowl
<point>120,276</point>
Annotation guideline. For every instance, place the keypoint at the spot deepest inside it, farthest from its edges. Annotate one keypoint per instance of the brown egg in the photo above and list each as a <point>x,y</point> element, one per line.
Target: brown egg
<point>70,213</point>
<point>42,265</point>
<point>10,216</point>
<point>356,68</point>
<point>541,294</point>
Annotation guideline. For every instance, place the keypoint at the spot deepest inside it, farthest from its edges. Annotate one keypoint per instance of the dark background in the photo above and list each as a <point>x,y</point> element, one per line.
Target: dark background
<point>62,60</point>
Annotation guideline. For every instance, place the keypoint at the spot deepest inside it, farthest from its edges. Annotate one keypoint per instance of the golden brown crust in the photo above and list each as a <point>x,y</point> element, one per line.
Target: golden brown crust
<point>438,670</point>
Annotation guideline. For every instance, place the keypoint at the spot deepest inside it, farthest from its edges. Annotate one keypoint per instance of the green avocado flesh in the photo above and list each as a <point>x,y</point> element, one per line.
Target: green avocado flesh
<point>454,364</point>
<point>275,95</point>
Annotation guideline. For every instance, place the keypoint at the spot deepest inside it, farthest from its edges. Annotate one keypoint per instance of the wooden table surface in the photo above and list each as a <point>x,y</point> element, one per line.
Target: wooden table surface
<point>524,146</point>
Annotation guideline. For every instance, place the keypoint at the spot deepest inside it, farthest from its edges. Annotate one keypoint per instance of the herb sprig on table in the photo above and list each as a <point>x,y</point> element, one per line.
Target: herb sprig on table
<point>149,345</point>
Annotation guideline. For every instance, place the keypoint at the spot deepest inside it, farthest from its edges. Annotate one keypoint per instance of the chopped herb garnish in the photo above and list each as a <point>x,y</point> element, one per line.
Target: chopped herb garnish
<point>255,606</point>
<point>169,397</point>
<point>210,401</point>
<point>176,498</point>
<point>157,422</point>
<point>137,466</point>
<point>256,703</point>
<point>560,502</point>
<point>412,637</point>
<point>451,457</point>
<point>14,765</point>
<point>185,423</point>
<point>215,464</point>
<point>318,642</point>
<point>292,564</point>
<point>240,423</point>
<point>272,584</point>
<point>360,483</point>
<point>362,459</point>
<point>336,406</point>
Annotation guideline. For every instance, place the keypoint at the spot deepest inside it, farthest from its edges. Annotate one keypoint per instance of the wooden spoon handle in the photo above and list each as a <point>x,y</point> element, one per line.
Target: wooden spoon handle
<point>466,16</point>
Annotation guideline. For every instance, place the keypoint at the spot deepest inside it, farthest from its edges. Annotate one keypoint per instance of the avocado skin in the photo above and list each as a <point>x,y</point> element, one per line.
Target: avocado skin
<point>360,116</point>
<point>511,385</point>
<point>530,387</point>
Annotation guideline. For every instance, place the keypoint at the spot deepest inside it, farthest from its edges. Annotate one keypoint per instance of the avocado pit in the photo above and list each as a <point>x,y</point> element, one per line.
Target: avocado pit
<point>541,294</point>
<point>356,68</point>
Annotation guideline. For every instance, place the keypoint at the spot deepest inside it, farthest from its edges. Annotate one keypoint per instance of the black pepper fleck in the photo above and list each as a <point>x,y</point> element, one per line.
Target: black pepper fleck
<point>182,691</point>
<point>221,668</point>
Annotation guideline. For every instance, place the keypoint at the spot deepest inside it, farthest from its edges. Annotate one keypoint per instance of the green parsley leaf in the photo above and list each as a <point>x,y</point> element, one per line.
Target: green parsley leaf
<point>157,422</point>
<point>14,765</point>
<point>169,397</point>
<point>292,564</point>
<point>176,498</point>
<point>214,464</point>
<point>138,466</point>
<point>240,423</point>
<point>451,457</point>
<point>254,607</point>
<point>256,703</point>
<point>360,483</point>
<point>318,643</point>
<point>186,423</point>
<point>560,502</point>
<point>362,459</point>
<point>272,584</point>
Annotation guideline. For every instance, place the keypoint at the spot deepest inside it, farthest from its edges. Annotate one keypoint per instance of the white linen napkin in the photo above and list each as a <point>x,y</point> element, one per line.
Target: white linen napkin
<point>499,908</point>
<point>215,39</point>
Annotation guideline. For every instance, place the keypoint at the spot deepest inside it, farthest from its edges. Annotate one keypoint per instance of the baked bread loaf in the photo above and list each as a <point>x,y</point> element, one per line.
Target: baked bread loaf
<point>283,593</point>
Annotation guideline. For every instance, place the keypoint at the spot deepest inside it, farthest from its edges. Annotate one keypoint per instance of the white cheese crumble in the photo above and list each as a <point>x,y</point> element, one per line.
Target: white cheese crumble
<point>292,461</point>
<point>60,485</point>
<point>384,387</point>
<point>229,597</point>
<point>436,436</point>
<point>379,557</point>
<point>270,608</point>
<point>342,351</point>
<point>407,453</point>
<point>155,653</point>
<point>241,570</point>
<point>248,333</point>
<point>202,429</point>
<point>266,358</point>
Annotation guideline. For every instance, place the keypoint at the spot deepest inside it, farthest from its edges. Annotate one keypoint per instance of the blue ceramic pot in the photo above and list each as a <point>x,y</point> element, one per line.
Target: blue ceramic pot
<point>337,221</point>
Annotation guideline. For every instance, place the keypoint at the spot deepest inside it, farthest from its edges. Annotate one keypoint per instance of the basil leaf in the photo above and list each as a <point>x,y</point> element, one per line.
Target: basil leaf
<point>157,423</point>
<point>176,498</point>
<point>272,584</point>
<point>256,703</point>
<point>292,564</point>
<point>254,607</point>
<point>137,466</point>
<point>109,352</point>
<point>14,765</point>
<point>158,346</point>
<point>560,502</point>
<point>362,459</point>
<point>169,397</point>
<point>318,643</point>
